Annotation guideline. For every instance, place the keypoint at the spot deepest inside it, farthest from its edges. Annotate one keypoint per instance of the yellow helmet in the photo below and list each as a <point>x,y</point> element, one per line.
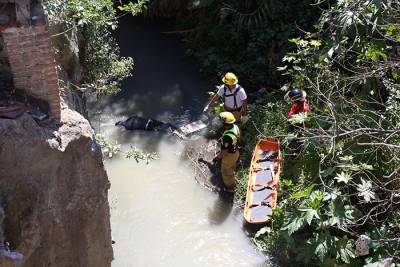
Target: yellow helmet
<point>227,117</point>
<point>230,79</point>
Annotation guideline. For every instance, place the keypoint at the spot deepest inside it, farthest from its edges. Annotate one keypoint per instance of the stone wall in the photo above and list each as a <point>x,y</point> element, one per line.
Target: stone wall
<point>28,45</point>
<point>32,64</point>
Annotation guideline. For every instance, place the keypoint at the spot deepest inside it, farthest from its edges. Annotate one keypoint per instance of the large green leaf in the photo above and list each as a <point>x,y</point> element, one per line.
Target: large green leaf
<point>321,250</point>
<point>345,250</point>
<point>303,193</point>
<point>323,246</point>
<point>293,223</point>
<point>309,214</point>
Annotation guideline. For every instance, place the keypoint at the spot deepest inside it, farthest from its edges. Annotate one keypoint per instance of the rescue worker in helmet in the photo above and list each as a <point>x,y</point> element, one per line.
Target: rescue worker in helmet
<point>235,98</point>
<point>299,103</point>
<point>229,153</point>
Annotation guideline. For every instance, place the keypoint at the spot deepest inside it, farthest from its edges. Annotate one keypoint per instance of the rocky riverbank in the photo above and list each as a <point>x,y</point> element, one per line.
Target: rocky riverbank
<point>53,190</point>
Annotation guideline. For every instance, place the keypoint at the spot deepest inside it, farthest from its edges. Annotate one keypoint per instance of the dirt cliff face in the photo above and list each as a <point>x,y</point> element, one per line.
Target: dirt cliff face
<point>53,189</point>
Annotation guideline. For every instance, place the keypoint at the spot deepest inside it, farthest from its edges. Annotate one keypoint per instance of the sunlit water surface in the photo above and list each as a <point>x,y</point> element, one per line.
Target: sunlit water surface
<point>159,215</point>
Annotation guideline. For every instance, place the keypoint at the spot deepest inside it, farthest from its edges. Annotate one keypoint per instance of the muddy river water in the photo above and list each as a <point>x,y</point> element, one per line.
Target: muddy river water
<point>160,216</point>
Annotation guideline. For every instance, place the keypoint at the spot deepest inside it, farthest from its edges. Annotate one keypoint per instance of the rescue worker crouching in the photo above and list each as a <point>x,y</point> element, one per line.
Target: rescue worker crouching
<point>229,153</point>
<point>299,103</point>
<point>235,98</point>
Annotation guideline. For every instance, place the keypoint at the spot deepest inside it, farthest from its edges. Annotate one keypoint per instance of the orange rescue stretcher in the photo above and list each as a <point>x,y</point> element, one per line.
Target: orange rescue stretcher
<point>263,181</point>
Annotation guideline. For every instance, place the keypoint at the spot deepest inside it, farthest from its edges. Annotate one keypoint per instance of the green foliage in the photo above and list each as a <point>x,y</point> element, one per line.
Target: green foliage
<point>133,8</point>
<point>303,193</point>
<point>246,37</point>
<point>365,190</point>
<point>104,69</point>
<point>376,53</point>
<point>139,155</point>
<point>299,118</point>
<point>345,182</point>
<point>110,150</point>
<point>343,177</point>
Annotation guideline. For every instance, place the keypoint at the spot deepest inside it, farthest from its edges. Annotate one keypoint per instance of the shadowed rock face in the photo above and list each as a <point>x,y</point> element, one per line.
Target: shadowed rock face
<point>53,189</point>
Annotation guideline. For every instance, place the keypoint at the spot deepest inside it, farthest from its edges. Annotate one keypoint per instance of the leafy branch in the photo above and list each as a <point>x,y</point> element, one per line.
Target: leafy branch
<point>347,179</point>
<point>111,150</point>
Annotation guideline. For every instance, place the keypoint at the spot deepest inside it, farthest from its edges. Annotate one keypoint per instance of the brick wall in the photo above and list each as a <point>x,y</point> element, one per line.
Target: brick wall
<point>32,62</point>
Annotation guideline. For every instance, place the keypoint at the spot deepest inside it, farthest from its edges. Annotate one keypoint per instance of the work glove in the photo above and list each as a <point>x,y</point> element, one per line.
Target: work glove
<point>206,108</point>
<point>244,119</point>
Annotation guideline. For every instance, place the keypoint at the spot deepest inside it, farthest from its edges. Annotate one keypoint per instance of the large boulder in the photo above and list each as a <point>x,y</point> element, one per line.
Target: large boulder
<point>53,188</point>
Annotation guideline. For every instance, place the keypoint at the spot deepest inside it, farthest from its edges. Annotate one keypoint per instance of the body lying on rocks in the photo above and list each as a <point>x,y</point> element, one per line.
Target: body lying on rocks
<point>145,124</point>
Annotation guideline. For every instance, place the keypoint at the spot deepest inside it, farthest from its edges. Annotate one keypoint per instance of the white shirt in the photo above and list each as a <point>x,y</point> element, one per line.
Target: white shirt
<point>230,100</point>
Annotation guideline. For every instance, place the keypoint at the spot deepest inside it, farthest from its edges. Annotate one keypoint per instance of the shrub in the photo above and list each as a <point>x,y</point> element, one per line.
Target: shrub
<point>104,69</point>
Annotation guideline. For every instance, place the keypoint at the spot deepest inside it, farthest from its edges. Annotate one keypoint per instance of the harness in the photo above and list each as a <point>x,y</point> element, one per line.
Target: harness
<point>234,95</point>
<point>234,134</point>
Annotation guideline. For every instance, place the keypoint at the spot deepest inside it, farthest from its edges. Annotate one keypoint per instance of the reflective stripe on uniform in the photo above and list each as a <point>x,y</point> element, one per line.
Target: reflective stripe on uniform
<point>234,134</point>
